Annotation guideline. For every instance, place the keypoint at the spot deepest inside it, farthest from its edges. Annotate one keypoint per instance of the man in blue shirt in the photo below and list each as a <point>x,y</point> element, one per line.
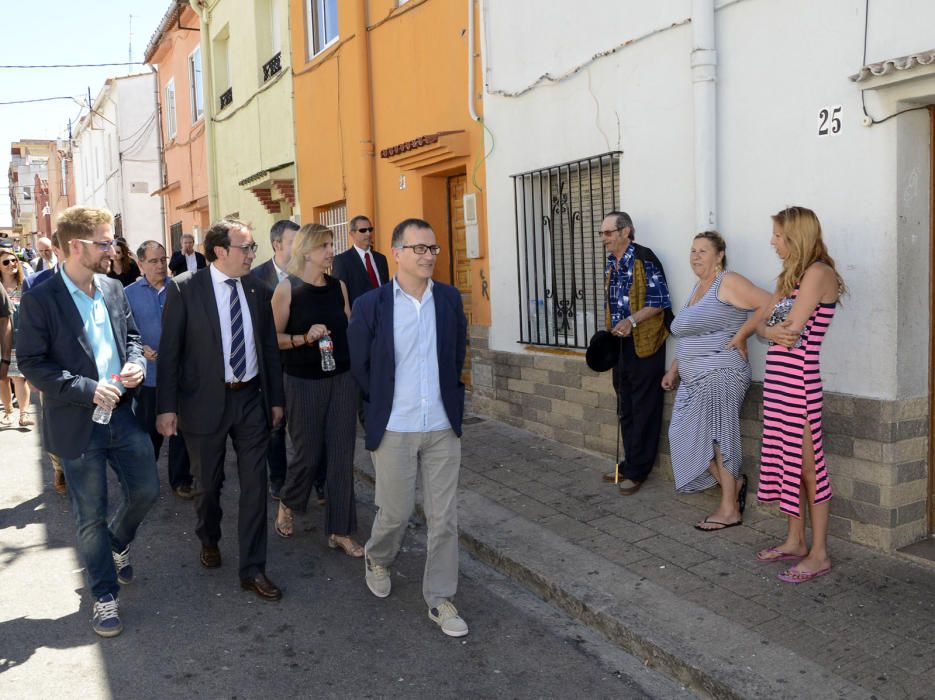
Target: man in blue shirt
<point>76,333</point>
<point>637,311</point>
<point>147,297</point>
<point>408,341</point>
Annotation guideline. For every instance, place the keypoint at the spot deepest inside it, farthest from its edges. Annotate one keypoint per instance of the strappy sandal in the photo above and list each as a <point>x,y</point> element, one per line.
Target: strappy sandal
<point>25,420</point>
<point>350,547</point>
<point>285,522</point>
<point>6,420</point>
<point>742,494</point>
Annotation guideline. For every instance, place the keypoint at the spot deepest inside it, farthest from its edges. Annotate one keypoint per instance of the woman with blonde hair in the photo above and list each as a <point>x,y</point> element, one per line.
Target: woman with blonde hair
<point>792,458</point>
<point>11,272</point>
<point>309,307</point>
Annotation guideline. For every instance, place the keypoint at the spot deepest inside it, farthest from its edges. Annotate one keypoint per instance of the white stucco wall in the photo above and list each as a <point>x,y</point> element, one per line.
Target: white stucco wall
<point>779,63</point>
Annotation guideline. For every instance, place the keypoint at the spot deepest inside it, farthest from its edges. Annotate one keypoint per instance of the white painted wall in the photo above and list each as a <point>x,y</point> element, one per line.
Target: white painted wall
<point>779,63</point>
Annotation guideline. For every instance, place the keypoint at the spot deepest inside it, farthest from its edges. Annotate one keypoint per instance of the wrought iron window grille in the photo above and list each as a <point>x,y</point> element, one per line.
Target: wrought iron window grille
<point>560,257</point>
<point>272,66</point>
<point>227,97</point>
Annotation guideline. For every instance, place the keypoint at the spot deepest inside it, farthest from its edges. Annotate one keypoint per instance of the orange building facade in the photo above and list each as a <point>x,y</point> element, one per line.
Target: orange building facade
<point>383,127</point>
<point>175,50</point>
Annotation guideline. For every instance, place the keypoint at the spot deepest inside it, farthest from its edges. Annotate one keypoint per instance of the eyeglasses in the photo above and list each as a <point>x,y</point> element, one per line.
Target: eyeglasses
<point>610,231</point>
<point>161,261</point>
<point>246,247</point>
<point>365,230</point>
<point>9,261</point>
<point>422,249</point>
<point>100,245</point>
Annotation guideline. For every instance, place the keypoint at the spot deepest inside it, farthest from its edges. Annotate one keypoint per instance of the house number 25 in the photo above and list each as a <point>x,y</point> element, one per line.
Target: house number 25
<point>829,120</point>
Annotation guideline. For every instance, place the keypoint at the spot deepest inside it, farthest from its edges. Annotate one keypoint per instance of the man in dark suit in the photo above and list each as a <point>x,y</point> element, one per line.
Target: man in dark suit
<point>408,340</point>
<point>188,259</point>
<point>360,267</point>
<point>76,333</point>
<point>220,375</point>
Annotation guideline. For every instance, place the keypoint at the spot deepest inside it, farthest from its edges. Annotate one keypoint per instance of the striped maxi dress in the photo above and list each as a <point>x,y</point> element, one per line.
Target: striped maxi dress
<point>713,382</point>
<point>792,393</point>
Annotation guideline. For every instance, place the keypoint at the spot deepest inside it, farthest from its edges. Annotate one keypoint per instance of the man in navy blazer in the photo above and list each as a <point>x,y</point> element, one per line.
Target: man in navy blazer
<point>408,340</point>
<point>188,259</point>
<point>76,332</point>
<point>360,267</point>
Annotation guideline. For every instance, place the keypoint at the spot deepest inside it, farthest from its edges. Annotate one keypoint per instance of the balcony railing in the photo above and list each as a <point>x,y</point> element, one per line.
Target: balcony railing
<point>227,97</point>
<point>272,66</point>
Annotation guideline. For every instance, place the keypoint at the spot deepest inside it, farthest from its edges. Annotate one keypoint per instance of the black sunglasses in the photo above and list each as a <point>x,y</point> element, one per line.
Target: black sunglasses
<point>365,230</point>
<point>9,261</point>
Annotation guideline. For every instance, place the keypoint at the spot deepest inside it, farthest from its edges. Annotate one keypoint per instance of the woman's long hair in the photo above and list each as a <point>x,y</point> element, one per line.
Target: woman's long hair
<point>309,237</point>
<point>20,275</point>
<point>802,233</point>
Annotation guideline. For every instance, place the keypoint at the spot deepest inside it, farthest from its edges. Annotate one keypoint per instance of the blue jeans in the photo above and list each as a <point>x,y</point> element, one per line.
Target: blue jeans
<point>124,445</point>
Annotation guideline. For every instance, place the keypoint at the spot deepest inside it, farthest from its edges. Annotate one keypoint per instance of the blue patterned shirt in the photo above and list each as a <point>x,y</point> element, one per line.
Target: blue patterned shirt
<point>146,303</point>
<point>621,279</point>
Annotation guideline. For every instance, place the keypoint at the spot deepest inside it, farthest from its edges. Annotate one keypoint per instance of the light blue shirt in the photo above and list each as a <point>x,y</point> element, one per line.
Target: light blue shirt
<point>417,396</point>
<point>97,328</point>
<point>146,303</point>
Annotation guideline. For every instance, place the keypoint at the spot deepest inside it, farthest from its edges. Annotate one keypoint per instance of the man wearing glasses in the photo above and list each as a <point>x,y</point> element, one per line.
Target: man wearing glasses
<point>220,376</point>
<point>147,297</point>
<point>360,267</point>
<point>76,332</point>
<point>408,341</point>
<point>637,312</point>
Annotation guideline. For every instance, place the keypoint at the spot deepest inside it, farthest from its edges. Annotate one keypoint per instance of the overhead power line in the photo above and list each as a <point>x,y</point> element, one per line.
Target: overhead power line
<point>77,65</point>
<point>39,99</point>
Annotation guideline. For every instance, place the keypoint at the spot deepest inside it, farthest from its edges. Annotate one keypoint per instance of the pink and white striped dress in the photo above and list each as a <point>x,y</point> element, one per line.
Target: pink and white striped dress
<point>792,392</point>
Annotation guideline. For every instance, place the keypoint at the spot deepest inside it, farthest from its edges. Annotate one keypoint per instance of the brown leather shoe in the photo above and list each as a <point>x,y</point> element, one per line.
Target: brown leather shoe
<point>262,586</point>
<point>210,556</point>
<point>58,482</point>
<point>610,476</point>
<point>185,492</point>
<point>628,487</point>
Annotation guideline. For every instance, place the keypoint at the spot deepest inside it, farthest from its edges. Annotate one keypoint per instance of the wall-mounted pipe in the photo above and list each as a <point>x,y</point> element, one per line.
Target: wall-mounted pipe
<point>470,80</point>
<point>704,89</point>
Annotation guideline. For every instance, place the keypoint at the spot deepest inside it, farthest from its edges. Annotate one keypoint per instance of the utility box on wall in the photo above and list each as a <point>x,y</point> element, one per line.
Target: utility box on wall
<point>471,234</point>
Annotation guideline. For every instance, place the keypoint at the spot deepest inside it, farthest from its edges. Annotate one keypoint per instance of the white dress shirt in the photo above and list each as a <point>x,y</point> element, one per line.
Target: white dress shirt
<point>191,262</point>
<point>373,261</point>
<point>280,273</point>
<point>222,296</point>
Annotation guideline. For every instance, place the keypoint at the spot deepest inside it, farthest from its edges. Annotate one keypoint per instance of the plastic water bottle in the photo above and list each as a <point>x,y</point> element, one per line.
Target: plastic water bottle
<point>102,415</point>
<point>326,348</point>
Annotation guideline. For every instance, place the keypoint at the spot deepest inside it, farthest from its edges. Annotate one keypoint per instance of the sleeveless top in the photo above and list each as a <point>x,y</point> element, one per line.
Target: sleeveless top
<point>311,305</point>
<point>703,331</point>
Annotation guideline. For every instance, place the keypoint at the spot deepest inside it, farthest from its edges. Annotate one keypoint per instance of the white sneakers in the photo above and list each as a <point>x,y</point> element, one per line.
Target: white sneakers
<point>377,577</point>
<point>446,616</point>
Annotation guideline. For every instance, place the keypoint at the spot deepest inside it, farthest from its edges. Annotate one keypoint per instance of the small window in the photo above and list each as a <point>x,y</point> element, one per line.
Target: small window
<point>27,194</point>
<point>170,108</point>
<point>335,218</point>
<point>322,24</point>
<point>194,80</point>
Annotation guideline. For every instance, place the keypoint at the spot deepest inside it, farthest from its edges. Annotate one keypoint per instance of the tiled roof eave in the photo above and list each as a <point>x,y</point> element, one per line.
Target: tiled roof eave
<point>894,65</point>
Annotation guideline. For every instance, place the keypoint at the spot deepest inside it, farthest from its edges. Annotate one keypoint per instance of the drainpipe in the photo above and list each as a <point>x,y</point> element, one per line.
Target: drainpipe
<point>470,80</point>
<point>365,113</point>
<point>207,74</point>
<point>162,159</point>
<point>704,88</point>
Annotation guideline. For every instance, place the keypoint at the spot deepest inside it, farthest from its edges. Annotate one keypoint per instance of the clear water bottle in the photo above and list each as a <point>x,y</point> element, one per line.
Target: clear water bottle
<point>326,348</point>
<point>102,415</point>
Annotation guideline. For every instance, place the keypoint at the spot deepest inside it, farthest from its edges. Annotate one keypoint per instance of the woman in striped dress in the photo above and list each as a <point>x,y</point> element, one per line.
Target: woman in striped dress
<point>792,459</point>
<point>711,362</point>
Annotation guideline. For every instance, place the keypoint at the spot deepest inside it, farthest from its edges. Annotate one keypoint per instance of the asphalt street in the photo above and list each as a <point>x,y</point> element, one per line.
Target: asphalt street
<point>190,632</point>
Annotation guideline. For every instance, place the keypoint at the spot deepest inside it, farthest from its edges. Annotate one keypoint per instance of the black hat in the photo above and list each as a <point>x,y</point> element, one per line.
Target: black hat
<point>603,351</point>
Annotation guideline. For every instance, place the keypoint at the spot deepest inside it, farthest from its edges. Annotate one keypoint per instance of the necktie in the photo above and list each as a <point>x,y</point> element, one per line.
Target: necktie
<point>238,354</point>
<point>370,272</point>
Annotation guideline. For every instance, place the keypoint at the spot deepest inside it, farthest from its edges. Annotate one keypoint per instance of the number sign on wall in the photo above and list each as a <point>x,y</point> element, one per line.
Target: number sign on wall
<point>829,121</point>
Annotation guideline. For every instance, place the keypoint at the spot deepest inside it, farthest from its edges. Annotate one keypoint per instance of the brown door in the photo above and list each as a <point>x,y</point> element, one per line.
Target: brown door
<point>460,263</point>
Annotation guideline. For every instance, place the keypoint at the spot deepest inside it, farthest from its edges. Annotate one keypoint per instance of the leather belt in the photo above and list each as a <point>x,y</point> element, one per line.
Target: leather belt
<point>238,386</point>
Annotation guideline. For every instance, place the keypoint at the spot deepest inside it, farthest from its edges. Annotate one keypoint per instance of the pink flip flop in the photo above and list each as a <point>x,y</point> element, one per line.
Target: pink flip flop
<point>793,576</point>
<point>776,554</point>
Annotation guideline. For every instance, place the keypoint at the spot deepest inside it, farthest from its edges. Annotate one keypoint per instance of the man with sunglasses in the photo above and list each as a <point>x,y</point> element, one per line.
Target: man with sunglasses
<point>360,267</point>
<point>76,332</point>
<point>408,341</point>
<point>219,376</point>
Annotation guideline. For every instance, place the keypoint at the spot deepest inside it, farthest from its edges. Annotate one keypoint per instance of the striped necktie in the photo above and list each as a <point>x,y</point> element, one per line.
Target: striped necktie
<point>238,349</point>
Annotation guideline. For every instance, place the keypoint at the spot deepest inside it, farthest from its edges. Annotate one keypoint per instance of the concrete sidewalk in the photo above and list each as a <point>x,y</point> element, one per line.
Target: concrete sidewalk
<point>696,605</point>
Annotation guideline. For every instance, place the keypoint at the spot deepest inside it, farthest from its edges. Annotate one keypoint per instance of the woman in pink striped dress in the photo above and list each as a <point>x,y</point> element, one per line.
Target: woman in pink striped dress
<point>792,459</point>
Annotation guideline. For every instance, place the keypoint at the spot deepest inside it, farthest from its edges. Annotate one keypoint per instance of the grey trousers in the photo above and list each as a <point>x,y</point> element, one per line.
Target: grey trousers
<point>396,462</point>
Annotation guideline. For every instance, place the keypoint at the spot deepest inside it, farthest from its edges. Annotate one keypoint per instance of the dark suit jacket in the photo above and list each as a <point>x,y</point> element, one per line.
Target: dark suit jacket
<point>177,264</point>
<point>191,359</point>
<point>373,363</point>
<point>266,273</point>
<point>63,369</point>
<point>350,268</point>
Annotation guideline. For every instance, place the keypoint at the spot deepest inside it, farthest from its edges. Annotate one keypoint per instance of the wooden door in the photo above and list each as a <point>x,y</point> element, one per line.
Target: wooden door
<point>460,263</point>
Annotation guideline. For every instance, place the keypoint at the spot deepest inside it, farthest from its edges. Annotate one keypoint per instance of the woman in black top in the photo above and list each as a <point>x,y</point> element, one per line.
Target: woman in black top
<point>321,404</point>
<point>123,267</point>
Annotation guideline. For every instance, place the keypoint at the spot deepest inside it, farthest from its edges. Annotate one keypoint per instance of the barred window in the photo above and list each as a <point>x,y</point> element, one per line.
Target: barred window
<point>335,218</point>
<point>560,257</point>
<point>175,235</point>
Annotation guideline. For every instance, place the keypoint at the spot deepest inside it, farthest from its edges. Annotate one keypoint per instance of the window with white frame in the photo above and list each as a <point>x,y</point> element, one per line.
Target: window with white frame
<point>170,108</point>
<point>194,80</point>
<point>335,218</point>
<point>321,24</point>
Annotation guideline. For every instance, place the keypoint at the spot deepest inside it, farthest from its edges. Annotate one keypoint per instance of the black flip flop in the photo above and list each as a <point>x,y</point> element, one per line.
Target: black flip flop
<point>724,526</point>
<point>742,494</point>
